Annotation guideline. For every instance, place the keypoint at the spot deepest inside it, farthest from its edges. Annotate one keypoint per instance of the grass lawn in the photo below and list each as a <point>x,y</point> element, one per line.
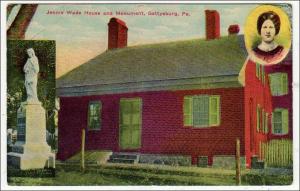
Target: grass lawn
<point>141,174</point>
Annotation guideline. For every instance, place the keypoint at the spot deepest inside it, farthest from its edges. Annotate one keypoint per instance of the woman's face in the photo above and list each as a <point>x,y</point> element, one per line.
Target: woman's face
<point>30,53</point>
<point>267,31</point>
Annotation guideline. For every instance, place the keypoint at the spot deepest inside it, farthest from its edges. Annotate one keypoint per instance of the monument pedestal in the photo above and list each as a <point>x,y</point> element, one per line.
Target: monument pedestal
<point>31,150</point>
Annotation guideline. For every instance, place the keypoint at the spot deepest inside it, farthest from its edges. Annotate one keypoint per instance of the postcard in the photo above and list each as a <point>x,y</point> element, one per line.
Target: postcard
<point>114,95</point>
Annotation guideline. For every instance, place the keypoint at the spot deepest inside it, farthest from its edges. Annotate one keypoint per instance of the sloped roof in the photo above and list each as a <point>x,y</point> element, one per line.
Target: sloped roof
<point>158,62</point>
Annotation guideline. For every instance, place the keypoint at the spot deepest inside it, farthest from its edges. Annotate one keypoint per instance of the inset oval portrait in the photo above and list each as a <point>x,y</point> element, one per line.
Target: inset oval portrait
<point>267,35</point>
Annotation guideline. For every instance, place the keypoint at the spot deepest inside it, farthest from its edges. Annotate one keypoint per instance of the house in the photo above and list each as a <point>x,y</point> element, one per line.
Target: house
<point>176,98</point>
<point>268,113</point>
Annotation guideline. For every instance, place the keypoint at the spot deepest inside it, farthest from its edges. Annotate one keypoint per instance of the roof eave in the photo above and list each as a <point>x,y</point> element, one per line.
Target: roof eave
<point>227,81</point>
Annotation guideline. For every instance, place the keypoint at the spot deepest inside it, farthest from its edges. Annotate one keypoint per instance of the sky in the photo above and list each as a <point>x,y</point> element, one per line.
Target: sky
<point>79,38</point>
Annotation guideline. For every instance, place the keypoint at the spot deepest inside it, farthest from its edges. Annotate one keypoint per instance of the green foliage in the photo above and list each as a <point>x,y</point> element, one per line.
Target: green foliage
<point>16,93</point>
<point>118,174</point>
<point>263,179</point>
<point>42,173</point>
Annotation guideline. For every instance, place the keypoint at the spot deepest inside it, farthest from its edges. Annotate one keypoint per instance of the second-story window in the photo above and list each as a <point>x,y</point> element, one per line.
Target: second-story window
<point>278,83</point>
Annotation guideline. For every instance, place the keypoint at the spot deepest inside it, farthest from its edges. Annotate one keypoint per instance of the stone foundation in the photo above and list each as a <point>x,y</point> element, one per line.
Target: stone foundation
<point>173,160</point>
<point>227,162</point>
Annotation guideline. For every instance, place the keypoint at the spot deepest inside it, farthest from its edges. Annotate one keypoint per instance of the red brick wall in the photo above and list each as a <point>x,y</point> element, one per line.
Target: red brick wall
<point>117,34</point>
<point>162,124</point>
<point>233,29</point>
<point>122,36</point>
<point>212,24</point>
<point>255,93</point>
<point>260,94</point>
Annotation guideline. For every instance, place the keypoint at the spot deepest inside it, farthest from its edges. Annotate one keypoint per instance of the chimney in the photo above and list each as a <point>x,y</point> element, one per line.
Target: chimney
<point>117,33</point>
<point>233,29</point>
<point>212,24</point>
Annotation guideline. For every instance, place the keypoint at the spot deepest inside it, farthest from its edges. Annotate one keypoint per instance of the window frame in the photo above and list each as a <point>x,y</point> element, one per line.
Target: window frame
<point>190,99</point>
<point>99,115</point>
<point>283,111</point>
<point>280,86</point>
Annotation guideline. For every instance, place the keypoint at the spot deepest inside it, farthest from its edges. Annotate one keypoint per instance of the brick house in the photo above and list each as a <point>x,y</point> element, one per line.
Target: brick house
<point>176,98</point>
<point>268,113</point>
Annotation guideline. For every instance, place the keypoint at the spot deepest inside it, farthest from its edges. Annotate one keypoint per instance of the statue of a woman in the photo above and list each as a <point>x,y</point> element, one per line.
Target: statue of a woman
<point>31,70</point>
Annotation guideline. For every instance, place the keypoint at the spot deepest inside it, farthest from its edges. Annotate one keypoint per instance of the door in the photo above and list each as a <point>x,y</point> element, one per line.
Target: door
<point>130,123</point>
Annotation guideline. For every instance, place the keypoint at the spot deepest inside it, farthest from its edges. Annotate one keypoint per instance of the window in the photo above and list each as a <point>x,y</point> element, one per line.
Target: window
<point>94,115</point>
<point>278,83</point>
<point>280,121</point>
<point>261,120</point>
<point>201,110</point>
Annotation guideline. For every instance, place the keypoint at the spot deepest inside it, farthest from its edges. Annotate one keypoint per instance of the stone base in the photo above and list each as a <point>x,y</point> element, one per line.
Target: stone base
<point>31,161</point>
<point>227,161</point>
<point>31,156</point>
<point>32,150</point>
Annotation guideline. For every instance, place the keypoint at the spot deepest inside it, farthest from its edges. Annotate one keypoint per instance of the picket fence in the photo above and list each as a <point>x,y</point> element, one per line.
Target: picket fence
<point>277,153</point>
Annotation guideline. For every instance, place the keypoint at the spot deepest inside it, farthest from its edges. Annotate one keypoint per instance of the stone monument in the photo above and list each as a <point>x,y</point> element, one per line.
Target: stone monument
<point>31,150</point>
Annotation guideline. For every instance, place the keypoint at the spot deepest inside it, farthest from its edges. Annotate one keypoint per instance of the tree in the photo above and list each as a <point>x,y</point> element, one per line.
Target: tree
<point>15,61</point>
<point>20,24</point>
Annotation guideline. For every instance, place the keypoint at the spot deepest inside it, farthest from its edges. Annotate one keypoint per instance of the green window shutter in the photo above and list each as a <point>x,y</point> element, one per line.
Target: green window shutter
<point>214,110</point>
<point>125,110</point>
<point>277,122</point>
<point>130,123</point>
<point>266,123</point>
<point>257,70</point>
<point>136,112</point>
<point>278,83</point>
<point>263,74</point>
<point>136,122</point>
<point>200,111</point>
<point>188,111</point>
<point>257,118</point>
<point>273,84</point>
<point>285,121</point>
<point>263,121</point>
<point>284,84</point>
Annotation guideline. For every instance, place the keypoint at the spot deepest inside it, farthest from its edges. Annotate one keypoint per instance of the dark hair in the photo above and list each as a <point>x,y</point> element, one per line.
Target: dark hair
<point>268,15</point>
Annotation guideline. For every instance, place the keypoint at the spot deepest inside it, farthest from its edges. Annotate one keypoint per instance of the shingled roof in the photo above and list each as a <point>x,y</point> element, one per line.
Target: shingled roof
<point>188,59</point>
